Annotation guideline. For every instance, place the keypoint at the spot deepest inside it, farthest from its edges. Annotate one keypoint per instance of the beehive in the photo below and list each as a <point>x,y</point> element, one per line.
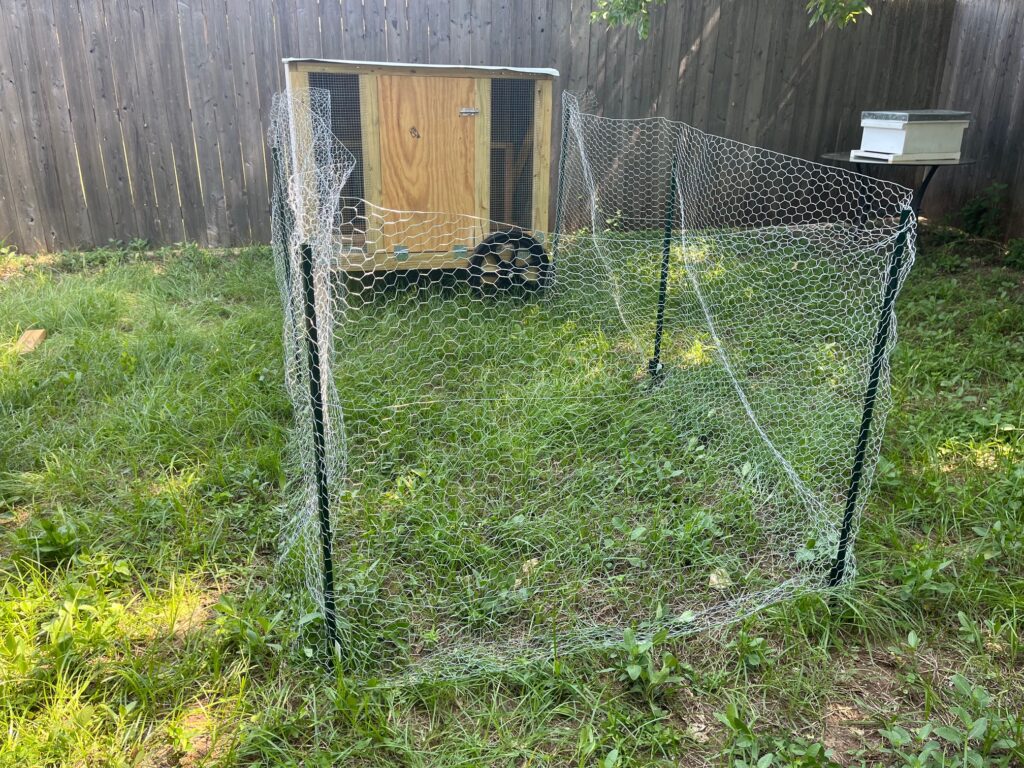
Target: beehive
<point>912,135</point>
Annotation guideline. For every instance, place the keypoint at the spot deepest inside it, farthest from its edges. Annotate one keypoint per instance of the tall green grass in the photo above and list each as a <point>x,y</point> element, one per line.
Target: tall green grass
<point>141,483</point>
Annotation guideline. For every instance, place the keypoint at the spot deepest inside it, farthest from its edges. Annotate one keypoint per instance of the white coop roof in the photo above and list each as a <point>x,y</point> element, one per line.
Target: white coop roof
<point>377,66</point>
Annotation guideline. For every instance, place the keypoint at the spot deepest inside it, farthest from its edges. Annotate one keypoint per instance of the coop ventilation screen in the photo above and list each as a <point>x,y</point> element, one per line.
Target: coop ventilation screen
<point>512,151</point>
<point>343,116</point>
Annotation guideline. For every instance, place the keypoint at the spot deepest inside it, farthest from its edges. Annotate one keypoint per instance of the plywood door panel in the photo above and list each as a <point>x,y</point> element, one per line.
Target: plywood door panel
<point>427,151</point>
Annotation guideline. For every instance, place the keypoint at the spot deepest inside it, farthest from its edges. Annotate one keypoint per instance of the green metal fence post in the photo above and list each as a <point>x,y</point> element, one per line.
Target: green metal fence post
<point>885,319</point>
<point>319,444</point>
<point>654,366</point>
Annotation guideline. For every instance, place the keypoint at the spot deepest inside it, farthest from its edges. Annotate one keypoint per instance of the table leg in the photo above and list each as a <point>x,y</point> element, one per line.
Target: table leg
<point>862,198</point>
<point>915,201</point>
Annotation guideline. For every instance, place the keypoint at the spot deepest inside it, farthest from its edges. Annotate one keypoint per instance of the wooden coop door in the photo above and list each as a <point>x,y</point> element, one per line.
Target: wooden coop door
<point>428,137</point>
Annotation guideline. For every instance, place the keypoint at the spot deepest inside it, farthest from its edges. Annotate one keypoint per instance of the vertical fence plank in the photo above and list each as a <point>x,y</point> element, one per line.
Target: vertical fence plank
<point>627,73</point>
<point>306,17</point>
<point>202,96</point>
<point>564,36</point>
<point>705,67</point>
<point>84,103</point>
<point>651,92</point>
<point>49,142</point>
<point>440,20</point>
<point>394,32</point>
<point>500,53</point>
<point>849,104</point>
<point>332,30</point>
<point>226,116</point>
<point>24,225</point>
<point>753,101</point>
<point>992,92</point>
<point>176,116</point>
<point>721,74</point>
<point>128,78</point>
<point>356,35</point>
<point>741,70</point>
<point>111,67</point>
<point>417,21</point>
<point>286,29</point>
<point>481,44</point>
<point>267,50</point>
<point>10,227</point>
<point>542,43</point>
<point>460,33</point>
<point>268,74</point>
<point>688,69</point>
<point>678,24</point>
<point>793,66</point>
<point>159,166</point>
<point>574,51</point>
<point>64,151</point>
<point>375,26</point>
<point>248,110</point>
<point>816,108</point>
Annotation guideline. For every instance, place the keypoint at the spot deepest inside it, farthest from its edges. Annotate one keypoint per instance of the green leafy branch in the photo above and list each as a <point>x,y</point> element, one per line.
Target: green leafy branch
<point>635,14</point>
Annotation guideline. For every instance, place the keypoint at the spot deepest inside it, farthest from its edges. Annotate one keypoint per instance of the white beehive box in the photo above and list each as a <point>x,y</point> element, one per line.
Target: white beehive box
<point>912,135</point>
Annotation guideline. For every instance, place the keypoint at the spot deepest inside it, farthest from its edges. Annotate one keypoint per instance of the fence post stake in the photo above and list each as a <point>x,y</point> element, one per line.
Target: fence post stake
<point>838,570</point>
<point>319,444</point>
<point>279,193</point>
<point>560,188</point>
<point>654,367</point>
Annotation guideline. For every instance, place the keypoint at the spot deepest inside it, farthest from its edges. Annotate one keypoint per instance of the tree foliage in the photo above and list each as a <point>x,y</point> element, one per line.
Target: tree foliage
<point>636,13</point>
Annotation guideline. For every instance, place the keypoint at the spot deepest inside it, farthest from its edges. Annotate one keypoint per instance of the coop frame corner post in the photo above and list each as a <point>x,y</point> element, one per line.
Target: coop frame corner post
<point>316,401</point>
<point>882,333</point>
<point>655,369</point>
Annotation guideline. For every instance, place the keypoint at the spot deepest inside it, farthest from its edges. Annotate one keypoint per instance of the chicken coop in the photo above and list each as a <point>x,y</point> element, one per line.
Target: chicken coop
<point>456,141</point>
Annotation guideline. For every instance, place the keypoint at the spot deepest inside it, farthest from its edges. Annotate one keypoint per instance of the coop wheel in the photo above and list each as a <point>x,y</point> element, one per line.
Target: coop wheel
<point>511,261</point>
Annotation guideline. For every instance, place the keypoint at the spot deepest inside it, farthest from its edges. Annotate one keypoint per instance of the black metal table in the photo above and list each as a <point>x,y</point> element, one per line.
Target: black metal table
<point>860,165</point>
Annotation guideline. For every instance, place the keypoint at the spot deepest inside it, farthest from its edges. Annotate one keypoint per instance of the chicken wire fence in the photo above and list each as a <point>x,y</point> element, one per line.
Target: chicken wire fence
<point>663,415</point>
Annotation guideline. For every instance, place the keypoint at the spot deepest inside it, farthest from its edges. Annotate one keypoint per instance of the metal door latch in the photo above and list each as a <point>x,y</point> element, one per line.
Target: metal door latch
<point>468,112</point>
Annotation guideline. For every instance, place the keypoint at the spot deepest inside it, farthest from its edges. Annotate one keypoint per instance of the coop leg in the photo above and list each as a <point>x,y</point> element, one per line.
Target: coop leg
<point>654,366</point>
<point>319,445</point>
<point>885,318</point>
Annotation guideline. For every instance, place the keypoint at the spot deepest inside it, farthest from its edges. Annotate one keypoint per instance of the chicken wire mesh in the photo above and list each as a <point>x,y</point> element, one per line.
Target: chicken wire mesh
<point>650,417</point>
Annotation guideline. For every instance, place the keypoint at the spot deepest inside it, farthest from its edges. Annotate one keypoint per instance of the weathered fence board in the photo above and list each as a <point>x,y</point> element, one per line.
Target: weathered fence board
<point>20,218</point>
<point>145,118</point>
<point>984,73</point>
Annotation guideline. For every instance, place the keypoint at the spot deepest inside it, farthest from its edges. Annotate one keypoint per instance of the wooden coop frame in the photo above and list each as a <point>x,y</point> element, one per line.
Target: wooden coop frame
<point>429,138</point>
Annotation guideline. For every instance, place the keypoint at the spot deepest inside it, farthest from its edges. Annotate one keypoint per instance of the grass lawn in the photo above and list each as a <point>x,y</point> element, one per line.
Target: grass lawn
<point>141,487</point>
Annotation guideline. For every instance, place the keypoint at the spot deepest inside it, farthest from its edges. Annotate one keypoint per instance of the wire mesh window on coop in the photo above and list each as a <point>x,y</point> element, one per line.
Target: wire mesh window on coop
<point>662,415</point>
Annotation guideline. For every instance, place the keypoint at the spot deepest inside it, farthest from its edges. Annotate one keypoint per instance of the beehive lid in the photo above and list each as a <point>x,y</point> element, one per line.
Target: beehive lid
<point>917,115</point>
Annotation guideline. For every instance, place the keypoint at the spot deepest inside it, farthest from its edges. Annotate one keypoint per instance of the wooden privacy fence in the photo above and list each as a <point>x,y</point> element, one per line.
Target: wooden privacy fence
<point>124,119</point>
